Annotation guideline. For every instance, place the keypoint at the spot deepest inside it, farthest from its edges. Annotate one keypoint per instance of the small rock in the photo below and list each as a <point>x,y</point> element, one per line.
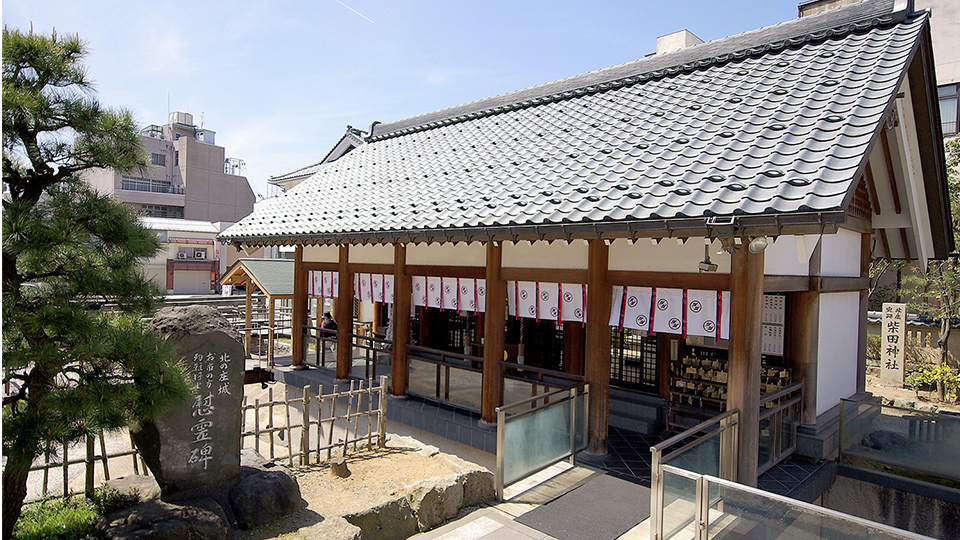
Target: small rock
<point>904,403</point>
<point>201,519</point>
<point>428,451</point>
<point>927,407</point>
<point>263,497</point>
<point>393,520</point>
<point>144,486</point>
<point>478,487</point>
<point>338,467</point>
<point>884,400</point>
<point>436,500</point>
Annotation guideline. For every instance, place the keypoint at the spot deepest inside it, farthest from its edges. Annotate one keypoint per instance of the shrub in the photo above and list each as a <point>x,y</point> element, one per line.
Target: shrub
<point>58,519</point>
<point>108,500</point>
<point>928,375</point>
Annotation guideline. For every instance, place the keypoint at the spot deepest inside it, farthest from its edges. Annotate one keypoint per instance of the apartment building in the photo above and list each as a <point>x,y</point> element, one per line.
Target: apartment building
<point>189,191</point>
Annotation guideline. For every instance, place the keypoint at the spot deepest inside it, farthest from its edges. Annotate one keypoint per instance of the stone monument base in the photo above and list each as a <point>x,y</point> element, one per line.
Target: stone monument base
<point>263,493</point>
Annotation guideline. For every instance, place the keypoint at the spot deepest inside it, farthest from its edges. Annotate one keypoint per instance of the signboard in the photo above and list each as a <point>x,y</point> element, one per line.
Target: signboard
<point>892,341</point>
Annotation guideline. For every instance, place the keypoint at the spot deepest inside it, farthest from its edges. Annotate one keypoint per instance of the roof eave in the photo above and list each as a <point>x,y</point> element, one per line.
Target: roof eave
<point>826,222</point>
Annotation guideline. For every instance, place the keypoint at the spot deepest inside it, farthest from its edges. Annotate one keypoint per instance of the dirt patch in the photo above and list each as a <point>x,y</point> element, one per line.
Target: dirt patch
<point>924,397</point>
<point>376,477</point>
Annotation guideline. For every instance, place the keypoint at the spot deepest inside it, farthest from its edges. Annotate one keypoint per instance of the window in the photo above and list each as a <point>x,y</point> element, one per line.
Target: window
<point>162,211</point>
<point>158,159</point>
<point>176,158</point>
<point>949,101</point>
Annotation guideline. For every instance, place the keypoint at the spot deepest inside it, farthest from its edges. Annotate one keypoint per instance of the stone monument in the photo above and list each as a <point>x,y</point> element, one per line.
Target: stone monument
<point>197,443</point>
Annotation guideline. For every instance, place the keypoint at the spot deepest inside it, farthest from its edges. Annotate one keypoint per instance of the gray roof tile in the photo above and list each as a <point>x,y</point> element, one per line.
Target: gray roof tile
<point>782,128</point>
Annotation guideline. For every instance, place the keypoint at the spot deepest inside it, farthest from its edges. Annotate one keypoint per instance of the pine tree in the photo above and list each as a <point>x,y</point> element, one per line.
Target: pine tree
<point>71,371</point>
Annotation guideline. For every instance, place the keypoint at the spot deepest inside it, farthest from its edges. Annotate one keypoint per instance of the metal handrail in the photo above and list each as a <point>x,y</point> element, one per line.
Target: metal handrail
<point>572,392</point>
<point>532,399</point>
<point>806,507</point>
<point>443,355</point>
<point>727,458</point>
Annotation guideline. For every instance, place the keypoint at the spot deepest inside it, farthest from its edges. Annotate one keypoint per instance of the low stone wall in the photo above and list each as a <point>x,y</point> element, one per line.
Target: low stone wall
<point>424,505</point>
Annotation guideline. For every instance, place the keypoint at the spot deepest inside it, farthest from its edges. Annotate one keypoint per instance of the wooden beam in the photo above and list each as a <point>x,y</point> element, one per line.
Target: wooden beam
<point>547,275</point>
<point>473,272</point>
<point>743,387</point>
<point>906,245</point>
<point>299,309</point>
<point>838,284</point>
<point>371,268</point>
<point>886,244</point>
<point>401,321</point>
<point>888,159</point>
<point>872,189</point>
<point>782,284</point>
<point>321,266</point>
<point>344,316</point>
<point>675,280</point>
<point>493,334</point>
<point>597,354</point>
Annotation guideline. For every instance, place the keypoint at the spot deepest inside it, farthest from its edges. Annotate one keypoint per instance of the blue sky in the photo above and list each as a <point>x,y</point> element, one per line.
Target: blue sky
<point>279,80</point>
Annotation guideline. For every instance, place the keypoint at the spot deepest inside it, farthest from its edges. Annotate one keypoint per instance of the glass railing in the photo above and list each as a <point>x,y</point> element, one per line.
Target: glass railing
<point>724,509</point>
<point>905,439</point>
<point>321,343</point>
<point>779,418</point>
<point>707,448</point>
<point>524,381</point>
<point>449,378</point>
<point>537,432</point>
<point>371,356</point>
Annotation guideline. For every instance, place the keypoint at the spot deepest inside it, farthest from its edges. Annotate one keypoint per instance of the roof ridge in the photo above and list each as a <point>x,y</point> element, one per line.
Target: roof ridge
<point>873,14</point>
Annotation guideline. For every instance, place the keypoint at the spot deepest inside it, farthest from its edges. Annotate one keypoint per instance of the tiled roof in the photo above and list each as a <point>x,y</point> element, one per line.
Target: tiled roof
<point>274,275</point>
<point>771,125</point>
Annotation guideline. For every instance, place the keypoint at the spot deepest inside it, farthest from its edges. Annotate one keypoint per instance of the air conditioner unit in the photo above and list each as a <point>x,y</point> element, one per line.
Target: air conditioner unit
<point>181,255</point>
<point>200,254</point>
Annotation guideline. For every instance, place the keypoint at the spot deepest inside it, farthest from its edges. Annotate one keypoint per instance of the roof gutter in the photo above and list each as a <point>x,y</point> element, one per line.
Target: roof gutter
<point>680,228</point>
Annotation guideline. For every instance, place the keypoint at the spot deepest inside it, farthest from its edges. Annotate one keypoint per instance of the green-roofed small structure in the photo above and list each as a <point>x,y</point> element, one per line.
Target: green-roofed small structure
<point>274,277</point>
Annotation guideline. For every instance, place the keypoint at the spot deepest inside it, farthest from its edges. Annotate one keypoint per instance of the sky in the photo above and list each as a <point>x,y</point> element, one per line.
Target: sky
<point>279,80</point>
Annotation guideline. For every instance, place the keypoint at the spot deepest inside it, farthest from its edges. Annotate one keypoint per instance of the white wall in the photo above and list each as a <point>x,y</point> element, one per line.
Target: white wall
<point>382,254</point>
<point>838,340</point>
<point>327,254</point>
<point>667,256</point>
<point>789,255</point>
<point>559,254</point>
<point>460,254</point>
<point>840,254</point>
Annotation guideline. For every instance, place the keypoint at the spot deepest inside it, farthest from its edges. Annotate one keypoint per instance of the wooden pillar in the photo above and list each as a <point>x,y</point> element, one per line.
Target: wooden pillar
<point>271,335</point>
<point>597,354</point>
<point>377,320</point>
<point>401,320</point>
<point>478,334</point>
<point>249,315</point>
<point>423,339</point>
<point>865,257</point>
<point>299,309</point>
<point>573,336</point>
<point>493,334</point>
<point>803,338</point>
<point>344,316</point>
<point>743,387</point>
